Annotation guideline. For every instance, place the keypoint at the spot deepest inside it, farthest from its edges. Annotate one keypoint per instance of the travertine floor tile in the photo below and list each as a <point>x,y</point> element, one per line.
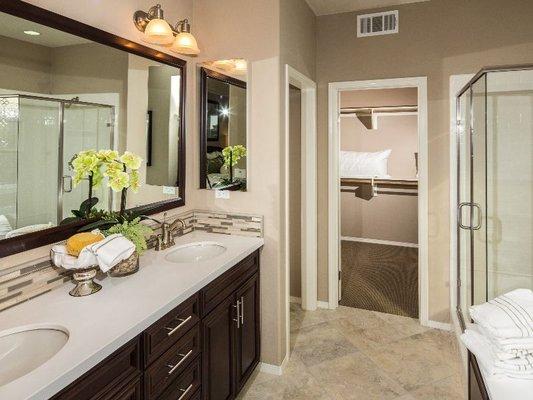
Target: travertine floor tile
<point>357,354</point>
<point>318,343</point>
<point>355,377</point>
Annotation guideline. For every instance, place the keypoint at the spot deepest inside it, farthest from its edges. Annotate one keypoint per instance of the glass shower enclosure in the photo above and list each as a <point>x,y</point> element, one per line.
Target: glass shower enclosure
<point>495,185</point>
<point>38,138</point>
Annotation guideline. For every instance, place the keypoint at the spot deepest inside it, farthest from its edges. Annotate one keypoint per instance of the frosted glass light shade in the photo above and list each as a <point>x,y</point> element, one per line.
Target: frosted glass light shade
<point>158,31</point>
<point>185,43</point>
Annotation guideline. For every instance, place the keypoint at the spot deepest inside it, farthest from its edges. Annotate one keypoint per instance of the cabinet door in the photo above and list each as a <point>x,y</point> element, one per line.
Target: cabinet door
<point>247,337</point>
<point>218,331</point>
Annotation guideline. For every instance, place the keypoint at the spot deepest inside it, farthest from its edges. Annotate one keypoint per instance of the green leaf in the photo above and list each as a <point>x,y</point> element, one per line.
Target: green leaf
<point>87,205</point>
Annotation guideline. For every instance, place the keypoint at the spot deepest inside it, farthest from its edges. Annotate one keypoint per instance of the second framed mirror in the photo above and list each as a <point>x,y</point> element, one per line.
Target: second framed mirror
<point>223,125</point>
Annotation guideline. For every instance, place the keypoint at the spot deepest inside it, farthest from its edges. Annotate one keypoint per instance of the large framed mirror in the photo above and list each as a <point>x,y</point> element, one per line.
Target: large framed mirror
<point>223,125</point>
<point>68,89</point>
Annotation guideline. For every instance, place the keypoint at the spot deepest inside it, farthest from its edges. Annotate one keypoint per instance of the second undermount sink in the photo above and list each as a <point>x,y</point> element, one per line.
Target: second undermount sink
<point>195,252</point>
<point>23,350</point>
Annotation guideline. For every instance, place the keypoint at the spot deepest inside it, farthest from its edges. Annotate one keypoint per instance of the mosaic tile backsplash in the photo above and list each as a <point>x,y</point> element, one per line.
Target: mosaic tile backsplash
<point>26,280</point>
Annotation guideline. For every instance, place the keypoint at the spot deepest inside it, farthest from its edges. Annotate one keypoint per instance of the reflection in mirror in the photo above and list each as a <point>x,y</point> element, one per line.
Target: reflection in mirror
<point>60,95</point>
<point>223,125</point>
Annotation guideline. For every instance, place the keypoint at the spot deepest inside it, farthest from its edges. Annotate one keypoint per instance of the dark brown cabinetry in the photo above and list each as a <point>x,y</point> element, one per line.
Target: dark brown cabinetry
<point>205,348</point>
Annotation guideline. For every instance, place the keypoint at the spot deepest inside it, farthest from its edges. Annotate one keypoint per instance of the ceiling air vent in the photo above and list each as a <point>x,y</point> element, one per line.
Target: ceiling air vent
<point>383,23</point>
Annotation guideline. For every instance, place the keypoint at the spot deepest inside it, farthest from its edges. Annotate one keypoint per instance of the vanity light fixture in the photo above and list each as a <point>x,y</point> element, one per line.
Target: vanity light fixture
<point>158,31</point>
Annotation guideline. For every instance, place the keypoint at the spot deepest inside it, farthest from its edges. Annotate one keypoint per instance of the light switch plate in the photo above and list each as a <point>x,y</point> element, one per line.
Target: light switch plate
<point>222,194</point>
<point>169,190</point>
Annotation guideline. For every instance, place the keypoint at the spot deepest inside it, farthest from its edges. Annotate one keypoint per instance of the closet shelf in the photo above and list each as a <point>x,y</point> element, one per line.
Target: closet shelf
<point>368,188</point>
<point>382,183</point>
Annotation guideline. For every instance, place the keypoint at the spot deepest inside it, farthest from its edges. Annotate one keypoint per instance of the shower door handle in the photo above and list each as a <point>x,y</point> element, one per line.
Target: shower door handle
<point>67,179</point>
<point>460,215</point>
<point>478,224</point>
<point>472,206</point>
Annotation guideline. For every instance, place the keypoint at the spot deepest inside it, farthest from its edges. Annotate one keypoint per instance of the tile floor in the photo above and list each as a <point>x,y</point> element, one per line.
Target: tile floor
<point>354,354</point>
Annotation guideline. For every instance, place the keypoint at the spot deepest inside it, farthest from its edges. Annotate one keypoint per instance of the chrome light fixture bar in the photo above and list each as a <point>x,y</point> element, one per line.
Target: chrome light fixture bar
<point>158,31</point>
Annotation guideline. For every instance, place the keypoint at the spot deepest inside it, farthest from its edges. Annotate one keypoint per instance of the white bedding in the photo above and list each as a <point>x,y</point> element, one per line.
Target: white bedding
<point>355,164</point>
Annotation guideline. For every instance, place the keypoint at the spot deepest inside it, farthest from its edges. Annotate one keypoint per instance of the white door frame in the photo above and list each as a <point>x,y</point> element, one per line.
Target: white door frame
<point>308,192</point>
<point>335,88</point>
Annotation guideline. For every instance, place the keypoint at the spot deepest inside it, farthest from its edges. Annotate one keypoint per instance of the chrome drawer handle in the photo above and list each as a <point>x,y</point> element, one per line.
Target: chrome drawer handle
<point>242,311</point>
<point>183,358</point>
<point>185,392</point>
<point>182,322</point>
<point>238,319</point>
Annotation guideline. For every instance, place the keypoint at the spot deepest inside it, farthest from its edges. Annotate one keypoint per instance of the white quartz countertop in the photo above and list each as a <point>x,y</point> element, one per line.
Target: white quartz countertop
<point>101,323</point>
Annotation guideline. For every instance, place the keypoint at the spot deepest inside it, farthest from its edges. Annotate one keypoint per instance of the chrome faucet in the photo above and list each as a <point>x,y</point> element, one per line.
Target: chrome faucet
<point>166,238</point>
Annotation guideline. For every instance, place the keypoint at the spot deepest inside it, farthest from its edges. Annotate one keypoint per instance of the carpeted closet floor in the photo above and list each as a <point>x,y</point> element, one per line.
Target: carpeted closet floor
<point>380,278</point>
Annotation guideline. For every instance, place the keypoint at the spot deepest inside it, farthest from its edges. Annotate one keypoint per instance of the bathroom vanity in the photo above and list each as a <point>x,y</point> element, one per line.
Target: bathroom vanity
<point>174,330</point>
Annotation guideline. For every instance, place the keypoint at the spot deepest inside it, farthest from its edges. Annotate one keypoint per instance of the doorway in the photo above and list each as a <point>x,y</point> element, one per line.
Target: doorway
<point>385,215</point>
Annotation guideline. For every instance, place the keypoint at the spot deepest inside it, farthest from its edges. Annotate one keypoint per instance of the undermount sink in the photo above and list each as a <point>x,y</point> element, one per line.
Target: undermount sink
<point>195,252</point>
<point>23,350</point>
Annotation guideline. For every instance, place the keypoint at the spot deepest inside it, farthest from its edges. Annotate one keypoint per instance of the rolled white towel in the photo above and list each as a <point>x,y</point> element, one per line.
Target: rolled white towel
<point>61,258</point>
<point>507,316</point>
<point>110,251</point>
<point>480,347</point>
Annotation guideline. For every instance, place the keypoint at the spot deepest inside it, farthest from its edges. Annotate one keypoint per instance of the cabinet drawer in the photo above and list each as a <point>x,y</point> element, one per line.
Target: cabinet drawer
<point>122,366</point>
<point>165,332</point>
<point>132,391</point>
<point>222,287</point>
<point>187,385</point>
<point>171,364</point>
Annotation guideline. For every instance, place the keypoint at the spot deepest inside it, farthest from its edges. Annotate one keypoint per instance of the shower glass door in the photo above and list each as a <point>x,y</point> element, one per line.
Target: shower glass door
<point>38,154</point>
<point>478,208</point>
<point>85,126</point>
<point>495,186</point>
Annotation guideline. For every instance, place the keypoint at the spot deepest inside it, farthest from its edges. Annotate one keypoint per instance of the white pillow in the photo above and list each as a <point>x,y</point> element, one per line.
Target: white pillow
<point>28,229</point>
<point>354,164</point>
<point>5,226</point>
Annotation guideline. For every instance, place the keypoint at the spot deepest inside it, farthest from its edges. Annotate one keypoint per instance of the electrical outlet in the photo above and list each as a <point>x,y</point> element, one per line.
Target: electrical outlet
<point>222,194</point>
<point>169,190</point>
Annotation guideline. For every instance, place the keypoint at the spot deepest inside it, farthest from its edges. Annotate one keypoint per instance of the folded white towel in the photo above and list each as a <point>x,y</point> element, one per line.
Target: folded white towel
<point>507,316</point>
<point>480,347</point>
<point>61,258</point>
<point>110,251</point>
<point>506,349</point>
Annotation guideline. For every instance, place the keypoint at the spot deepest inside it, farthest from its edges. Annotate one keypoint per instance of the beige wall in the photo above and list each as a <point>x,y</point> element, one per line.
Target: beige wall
<point>385,217</point>
<point>250,30</point>
<point>25,66</point>
<point>436,39</point>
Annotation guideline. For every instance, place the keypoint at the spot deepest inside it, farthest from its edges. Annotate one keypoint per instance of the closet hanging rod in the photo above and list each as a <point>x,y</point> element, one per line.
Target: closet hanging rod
<point>379,110</point>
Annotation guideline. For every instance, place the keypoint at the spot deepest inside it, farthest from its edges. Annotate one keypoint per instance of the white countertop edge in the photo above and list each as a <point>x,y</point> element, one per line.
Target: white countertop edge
<point>53,385</point>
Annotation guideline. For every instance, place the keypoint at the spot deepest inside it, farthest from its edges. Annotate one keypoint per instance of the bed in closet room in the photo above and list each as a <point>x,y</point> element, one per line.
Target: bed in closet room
<point>379,203</point>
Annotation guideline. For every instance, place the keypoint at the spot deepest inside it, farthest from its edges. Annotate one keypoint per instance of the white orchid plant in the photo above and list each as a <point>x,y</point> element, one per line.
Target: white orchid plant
<point>121,171</point>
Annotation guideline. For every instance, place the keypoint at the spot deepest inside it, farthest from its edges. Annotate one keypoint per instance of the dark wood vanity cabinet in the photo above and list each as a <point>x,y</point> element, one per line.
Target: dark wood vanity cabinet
<point>205,348</point>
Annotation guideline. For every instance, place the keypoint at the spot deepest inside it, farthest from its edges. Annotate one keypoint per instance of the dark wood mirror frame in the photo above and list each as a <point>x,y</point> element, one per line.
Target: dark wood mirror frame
<point>42,16</point>
<point>204,74</point>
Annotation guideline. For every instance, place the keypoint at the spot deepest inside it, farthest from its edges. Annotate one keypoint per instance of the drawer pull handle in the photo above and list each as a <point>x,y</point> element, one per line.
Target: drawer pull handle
<point>171,331</point>
<point>238,319</point>
<point>242,311</point>
<point>183,358</point>
<point>185,392</point>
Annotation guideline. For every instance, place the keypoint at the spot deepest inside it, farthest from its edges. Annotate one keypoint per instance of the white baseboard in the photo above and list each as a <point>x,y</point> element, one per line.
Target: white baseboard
<point>274,369</point>
<point>377,241</point>
<point>322,304</point>
<point>443,326</point>
<point>319,304</point>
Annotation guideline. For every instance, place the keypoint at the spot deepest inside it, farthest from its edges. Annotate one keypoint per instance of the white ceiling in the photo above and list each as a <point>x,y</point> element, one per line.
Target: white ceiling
<point>14,28</point>
<point>324,7</point>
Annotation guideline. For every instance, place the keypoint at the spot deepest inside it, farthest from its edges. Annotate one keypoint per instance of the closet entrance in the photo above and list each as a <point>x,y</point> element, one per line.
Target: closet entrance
<point>378,213</point>
<point>379,205</point>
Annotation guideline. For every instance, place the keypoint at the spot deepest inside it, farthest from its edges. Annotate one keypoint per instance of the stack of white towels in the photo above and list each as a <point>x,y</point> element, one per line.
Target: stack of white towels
<point>502,336</point>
